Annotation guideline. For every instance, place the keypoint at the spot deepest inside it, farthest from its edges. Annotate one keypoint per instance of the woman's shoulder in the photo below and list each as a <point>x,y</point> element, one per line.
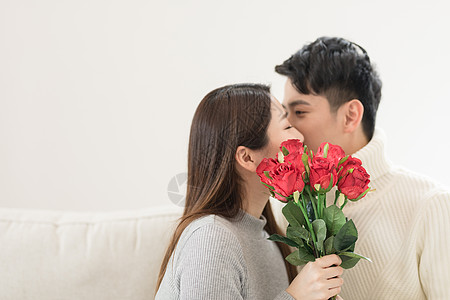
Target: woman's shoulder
<point>208,249</point>
<point>214,227</point>
<point>210,234</point>
<point>209,238</point>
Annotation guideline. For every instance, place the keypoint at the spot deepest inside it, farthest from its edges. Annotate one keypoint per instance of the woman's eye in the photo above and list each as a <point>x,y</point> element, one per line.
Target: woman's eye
<point>289,127</point>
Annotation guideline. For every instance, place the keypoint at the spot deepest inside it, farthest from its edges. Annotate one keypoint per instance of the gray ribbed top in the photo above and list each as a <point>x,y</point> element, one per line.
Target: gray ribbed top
<point>217,258</point>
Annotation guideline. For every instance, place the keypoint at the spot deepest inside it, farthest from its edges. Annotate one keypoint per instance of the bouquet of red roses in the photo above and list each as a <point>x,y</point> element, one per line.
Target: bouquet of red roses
<point>302,178</point>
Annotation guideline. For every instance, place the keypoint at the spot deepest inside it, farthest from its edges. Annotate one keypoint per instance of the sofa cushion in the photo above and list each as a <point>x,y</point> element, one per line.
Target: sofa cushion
<point>70,255</point>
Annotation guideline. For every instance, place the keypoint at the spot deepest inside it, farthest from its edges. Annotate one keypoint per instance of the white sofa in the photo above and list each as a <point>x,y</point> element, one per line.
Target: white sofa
<point>51,255</point>
<point>83,256</point>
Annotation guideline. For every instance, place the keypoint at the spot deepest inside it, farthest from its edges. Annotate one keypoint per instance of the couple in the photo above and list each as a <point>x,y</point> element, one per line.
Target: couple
<point>220,248</point>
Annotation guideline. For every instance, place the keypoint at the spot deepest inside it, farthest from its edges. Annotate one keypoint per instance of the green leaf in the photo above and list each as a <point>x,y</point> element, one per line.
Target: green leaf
<point>268,175</point>
<point>293,214</point>
<point>307,247</point>
<point>296,196</point>
<point>328,244</point>
<point>283,239</point>
<point>354,255</point>
<point>334,218</point>
<point>346,236</point>
<point>350,259</point>
<point>268,186</point>
<point>305,159</point>
<point>325,150</point>
<point>295,258</point>
<point>285,151</point>
<point>287,198</point>
<point>297,234</point>
<point>348,262</point>
<point>336,195</point>
<point>360,196</point>
<point>330,186</point>
<point>350,249</point>
<point>343,160</point>
<point>320,229</point>
<point>305,255</point>
<point>307,169</point>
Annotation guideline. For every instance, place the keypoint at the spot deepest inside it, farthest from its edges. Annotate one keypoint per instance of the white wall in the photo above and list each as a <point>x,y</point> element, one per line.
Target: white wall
<point>97,96</point>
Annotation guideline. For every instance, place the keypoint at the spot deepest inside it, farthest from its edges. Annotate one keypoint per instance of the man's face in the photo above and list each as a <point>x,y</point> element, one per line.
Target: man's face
<point>311,115</point>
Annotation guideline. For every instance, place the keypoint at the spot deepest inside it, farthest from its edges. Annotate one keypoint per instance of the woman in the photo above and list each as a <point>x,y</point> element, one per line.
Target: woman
<point>220,248</point>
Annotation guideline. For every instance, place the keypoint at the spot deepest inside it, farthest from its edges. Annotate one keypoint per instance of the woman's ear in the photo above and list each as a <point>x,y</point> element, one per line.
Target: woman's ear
<point>245,158</point>
<point>353,114</point>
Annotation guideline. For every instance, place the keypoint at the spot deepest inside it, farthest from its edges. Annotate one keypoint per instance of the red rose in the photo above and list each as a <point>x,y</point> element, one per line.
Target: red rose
<point>295,159</point>
<point>295,149</point>
<point>335,153</point>
<point>292,146</point>
<point>267,164</point>
<point>353,179</point>
<point>322,169</point>
<point>351,162</point>
<point>286,180</point>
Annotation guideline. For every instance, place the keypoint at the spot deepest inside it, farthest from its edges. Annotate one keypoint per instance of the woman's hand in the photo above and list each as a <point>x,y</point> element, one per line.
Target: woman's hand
<point>319,280</point>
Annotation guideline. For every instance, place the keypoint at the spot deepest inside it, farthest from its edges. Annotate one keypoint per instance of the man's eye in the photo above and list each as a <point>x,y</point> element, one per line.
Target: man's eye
<point>298,112</point>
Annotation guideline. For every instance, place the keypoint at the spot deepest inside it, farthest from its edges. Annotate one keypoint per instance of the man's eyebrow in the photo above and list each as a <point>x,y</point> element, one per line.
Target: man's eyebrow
<point>298,102</point>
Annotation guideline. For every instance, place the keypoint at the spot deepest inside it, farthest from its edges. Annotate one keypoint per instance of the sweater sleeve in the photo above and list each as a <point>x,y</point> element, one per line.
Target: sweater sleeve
<point>434,264</point>
<point>212,265</point>
<point>284,296</point>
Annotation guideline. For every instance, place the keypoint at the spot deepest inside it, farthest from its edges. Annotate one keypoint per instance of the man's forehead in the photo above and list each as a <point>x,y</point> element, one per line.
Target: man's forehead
<point>297,102</point>
<point>294,100</point>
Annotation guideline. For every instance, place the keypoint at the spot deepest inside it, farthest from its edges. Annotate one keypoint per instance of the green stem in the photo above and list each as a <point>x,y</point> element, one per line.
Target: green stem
<point>313,205</point>
<point>308,223</point>
<point>309,192</point>
<point>321,204</point>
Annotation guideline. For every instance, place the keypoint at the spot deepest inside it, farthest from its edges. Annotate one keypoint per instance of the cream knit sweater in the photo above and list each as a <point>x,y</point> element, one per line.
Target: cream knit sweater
<point>404,227</point>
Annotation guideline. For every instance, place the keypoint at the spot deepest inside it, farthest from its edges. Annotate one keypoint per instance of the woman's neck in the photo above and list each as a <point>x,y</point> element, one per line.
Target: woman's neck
<point>255,199</point>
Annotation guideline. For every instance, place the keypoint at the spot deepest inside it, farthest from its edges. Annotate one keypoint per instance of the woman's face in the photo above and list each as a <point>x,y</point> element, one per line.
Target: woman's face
<point>279,130</point>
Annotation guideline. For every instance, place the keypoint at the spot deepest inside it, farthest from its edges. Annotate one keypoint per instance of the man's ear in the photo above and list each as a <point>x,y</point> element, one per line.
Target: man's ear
<point>245,158</point>
<point>353,114</point>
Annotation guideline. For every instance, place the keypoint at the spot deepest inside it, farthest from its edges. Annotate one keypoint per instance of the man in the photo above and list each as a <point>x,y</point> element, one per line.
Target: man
<point>332,94</point>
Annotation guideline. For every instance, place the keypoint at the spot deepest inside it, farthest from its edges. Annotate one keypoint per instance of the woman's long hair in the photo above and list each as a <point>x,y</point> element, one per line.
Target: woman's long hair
<point>228,117</point>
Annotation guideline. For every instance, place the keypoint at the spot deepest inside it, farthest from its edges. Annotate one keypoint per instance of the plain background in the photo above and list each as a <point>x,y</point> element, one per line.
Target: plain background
<point>97,96</point>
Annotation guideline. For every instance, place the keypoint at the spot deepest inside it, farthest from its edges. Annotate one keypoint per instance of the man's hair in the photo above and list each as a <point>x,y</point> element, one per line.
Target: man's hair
<point>339,70</point>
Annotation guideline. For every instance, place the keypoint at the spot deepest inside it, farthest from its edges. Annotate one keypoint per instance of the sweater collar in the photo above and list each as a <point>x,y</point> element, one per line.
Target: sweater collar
<point>249,224</point>
<point>373,155</point>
